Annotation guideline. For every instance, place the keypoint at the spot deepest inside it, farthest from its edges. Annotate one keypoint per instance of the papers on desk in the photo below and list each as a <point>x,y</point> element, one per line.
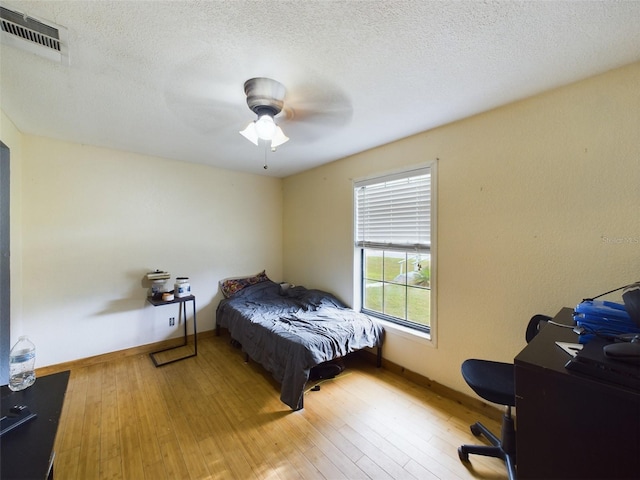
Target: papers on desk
<point>571,348</point>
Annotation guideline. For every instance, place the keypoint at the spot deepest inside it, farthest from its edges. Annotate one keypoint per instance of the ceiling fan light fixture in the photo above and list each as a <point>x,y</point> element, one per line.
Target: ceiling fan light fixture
<point>265,98</point>
<point>250,133</point>
<point>278,138</point>
<point>265,127</point>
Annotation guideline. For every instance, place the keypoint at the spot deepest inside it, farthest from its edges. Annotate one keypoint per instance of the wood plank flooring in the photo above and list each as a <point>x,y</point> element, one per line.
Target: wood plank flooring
<point>216,417</point>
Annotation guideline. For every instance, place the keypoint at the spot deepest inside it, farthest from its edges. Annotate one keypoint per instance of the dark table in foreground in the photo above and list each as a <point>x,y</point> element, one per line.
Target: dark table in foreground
<point>571,425</point>
<point>26,452</point>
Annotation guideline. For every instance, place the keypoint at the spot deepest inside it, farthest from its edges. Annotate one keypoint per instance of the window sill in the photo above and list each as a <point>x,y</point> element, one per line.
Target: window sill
<point>406,332</point>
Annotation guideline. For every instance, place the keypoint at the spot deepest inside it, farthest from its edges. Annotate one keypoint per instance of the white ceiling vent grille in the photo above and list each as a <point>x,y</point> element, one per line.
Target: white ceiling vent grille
<point>36,36</point>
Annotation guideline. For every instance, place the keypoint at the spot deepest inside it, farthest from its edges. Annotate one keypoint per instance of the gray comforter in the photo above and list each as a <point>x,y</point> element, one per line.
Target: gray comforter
<point>290,332</point>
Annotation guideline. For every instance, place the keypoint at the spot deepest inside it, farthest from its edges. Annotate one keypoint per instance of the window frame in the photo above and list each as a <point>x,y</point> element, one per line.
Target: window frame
<point>411,328</point>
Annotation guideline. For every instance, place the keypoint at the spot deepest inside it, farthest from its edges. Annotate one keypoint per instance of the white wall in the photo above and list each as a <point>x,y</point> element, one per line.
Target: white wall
<point>538,207</point>
<point>95,220</point>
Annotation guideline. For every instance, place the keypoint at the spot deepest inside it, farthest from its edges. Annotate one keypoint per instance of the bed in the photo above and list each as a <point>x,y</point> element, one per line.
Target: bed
<point>291,331</point>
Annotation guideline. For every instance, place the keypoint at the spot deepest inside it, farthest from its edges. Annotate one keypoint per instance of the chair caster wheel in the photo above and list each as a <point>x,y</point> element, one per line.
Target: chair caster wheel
<point>475,430</point>
<point>464,456</point>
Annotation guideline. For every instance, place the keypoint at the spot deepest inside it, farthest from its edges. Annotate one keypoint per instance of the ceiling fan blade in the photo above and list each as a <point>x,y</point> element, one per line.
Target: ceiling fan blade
<point>200,102</point>
<point>314,111</point>
<point>204,115</point>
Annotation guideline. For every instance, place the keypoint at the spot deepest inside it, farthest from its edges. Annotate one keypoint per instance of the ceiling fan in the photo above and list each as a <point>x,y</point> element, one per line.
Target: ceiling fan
<point>311,108</point>
<point>265,98</point>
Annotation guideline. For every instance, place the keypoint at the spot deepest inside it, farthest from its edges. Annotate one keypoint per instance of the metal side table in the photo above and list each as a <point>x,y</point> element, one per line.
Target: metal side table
<point>182,310</point>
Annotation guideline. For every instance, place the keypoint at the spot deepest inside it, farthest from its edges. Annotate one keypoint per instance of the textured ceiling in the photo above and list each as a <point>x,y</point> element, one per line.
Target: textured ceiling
<point>166,78</point>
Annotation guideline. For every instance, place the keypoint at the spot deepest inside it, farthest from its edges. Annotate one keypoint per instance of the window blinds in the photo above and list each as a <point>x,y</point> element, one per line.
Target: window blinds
<point>394,211</point>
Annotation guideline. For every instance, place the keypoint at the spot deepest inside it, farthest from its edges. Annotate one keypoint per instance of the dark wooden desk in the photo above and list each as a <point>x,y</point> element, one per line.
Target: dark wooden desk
<point>571,425</point>
<point>27,451</point>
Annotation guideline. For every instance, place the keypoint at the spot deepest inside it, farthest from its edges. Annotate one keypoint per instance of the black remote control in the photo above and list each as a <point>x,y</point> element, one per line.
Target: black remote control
<point>18,414</point>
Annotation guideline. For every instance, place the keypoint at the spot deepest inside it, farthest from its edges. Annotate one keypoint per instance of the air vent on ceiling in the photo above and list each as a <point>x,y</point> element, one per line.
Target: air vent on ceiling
<point>27,33</point>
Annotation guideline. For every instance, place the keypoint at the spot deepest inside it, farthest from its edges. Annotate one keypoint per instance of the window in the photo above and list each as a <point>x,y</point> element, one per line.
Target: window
<point>393,225</point>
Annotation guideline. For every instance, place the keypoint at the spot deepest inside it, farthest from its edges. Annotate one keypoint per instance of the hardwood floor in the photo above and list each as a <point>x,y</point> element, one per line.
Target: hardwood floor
<point>215,416</point>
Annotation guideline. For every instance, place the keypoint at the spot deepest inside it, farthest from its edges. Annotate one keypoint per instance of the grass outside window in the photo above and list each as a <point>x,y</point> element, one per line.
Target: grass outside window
<point>397,285</point>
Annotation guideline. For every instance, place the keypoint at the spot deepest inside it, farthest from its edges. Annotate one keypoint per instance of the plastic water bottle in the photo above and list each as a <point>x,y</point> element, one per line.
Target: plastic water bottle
<point>22,362</point>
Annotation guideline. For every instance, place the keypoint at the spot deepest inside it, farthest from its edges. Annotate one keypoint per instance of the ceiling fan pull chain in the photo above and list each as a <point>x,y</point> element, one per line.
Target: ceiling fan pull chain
<point>266,147</point>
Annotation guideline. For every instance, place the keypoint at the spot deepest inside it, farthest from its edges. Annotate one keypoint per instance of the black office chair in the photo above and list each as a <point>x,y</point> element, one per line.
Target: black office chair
<point>494,381</point>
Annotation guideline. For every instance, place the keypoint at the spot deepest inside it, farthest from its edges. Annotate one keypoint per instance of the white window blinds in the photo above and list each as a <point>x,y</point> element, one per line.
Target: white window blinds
<point>394,211</point>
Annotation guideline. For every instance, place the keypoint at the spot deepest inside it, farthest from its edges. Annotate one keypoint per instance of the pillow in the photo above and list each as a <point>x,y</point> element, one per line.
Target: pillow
<point>232,286</point>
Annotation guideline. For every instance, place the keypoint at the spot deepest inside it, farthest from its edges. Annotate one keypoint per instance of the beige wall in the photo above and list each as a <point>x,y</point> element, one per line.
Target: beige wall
<point>95,220</point>
<point>538,207</point>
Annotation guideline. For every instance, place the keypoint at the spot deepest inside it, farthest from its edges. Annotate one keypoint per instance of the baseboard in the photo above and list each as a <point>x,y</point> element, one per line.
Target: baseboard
<point>466,401</point>
<point>128,352</point>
